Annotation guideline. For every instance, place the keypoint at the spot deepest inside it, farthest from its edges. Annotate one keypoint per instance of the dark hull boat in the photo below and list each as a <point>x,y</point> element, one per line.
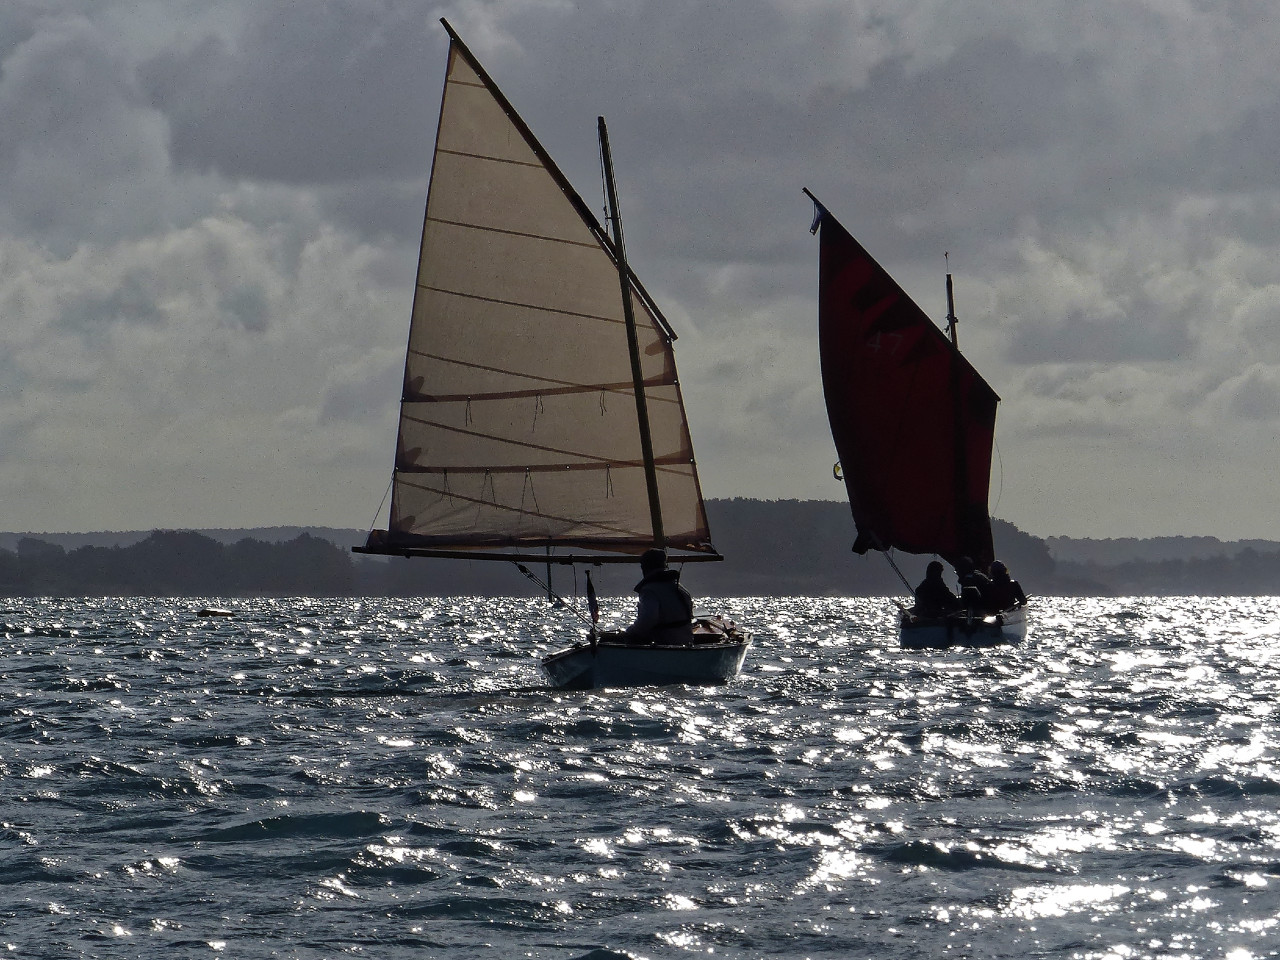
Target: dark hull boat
<point>962,630</point>
<point>541,419</point>
<point>913,424</point>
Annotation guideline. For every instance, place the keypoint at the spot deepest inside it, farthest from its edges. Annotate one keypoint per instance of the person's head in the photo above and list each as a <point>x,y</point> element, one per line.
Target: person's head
<point>934,570</point>
<point>998,569</point>
<point>651,561</point>
<point>964,565</point>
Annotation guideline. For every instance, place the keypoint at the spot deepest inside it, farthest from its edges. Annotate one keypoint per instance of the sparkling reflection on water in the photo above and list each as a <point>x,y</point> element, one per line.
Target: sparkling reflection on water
<point>391,778</point>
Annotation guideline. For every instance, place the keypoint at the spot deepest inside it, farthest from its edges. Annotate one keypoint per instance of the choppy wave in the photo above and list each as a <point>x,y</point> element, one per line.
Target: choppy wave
<point>315,778</point>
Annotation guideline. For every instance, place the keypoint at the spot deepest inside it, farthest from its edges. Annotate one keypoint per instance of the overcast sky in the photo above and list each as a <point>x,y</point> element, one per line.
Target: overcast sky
<point>209,214</point>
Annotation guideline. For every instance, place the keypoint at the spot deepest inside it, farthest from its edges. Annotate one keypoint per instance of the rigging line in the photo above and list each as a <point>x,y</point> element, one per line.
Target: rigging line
<point>386,493</point>
<point>551,593</point>
<point>619,532</point>
<point>1000,462</point>
<point>528,487</point>
<point>887,553</point>
<point>905,582</point>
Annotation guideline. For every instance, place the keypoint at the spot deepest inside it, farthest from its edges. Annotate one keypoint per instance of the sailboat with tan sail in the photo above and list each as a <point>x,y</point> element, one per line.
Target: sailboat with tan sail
<point>541,418</point>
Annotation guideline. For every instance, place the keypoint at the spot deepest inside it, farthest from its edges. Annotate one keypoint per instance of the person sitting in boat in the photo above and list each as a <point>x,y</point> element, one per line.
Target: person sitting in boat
<point>664,614</point>
<point>1003,592</point>
<point>975,588</point>
<point>933,597</point>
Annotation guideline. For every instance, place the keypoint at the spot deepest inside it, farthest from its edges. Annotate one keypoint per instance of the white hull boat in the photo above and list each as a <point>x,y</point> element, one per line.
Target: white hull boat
<point>541,418</point>
<point>715,657</point>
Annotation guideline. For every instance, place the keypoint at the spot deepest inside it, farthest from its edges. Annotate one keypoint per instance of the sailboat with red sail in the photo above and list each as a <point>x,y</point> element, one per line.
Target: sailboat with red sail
<point>913,423</point>
<point>541,418</point>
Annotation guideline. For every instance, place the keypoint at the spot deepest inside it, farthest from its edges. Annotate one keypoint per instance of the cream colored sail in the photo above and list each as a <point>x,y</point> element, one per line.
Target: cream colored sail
<point>518,424</point>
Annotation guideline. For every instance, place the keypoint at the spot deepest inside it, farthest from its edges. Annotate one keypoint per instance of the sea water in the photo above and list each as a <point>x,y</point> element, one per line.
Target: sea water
<point>393,779</point>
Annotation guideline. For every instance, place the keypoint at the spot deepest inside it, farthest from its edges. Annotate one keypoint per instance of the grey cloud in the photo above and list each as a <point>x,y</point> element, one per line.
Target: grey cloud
<point>385,211</point>
<point>131,300</point>
<point>1243,156</point>
<point>307,93</point>
<point>246,307</point>
<point>1256,397</point>
<point>82,157</point>
<point>363,401</point>
<point>1079,338</point>
<point>210,214</point>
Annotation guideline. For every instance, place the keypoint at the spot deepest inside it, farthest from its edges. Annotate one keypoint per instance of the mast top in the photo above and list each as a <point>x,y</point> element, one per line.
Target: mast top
<point>951,306</point>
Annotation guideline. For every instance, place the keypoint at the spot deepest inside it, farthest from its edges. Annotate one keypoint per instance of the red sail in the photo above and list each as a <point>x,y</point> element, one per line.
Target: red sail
<point>913,421</point>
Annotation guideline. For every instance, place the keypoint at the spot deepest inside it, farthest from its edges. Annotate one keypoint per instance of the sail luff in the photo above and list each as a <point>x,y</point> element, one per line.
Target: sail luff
<point>912,420</point>
<point>417,289</point>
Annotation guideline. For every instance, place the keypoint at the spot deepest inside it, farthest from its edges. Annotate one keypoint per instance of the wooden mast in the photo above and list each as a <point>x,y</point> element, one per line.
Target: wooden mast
<point>963,501</point>
<point>633,345</point>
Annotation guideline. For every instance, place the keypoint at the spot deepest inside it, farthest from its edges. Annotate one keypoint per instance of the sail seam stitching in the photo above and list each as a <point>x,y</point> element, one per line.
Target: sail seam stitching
<point>633,534</point>
<point>517,303</point>
<point>492,159</point>
<point>588,458</point>
<point>515,233</point>
<point>563,388</point>
<point>671,460</point>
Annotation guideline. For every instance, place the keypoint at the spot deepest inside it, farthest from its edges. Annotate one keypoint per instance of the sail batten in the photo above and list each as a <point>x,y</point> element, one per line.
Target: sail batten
<point>517,303</point>
<point>519,397</point>
<point>527,447</point>
<point>912,420</point>
<point>598,465</point>
<point>481,156</point>
<point>515,233</point>
<point>532,392</point>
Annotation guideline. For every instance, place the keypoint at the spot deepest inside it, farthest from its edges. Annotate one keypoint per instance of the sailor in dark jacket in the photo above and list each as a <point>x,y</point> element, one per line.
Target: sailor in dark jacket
<point>664,614</point>
<point>1003,592</point>
<point>933,597</point>
<point>975,588</point>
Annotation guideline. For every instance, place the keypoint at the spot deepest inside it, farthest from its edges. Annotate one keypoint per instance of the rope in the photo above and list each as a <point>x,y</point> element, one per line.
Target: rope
<point>378,512</point>
<point>1000,489</point>
<point>905,582</point>
<point>551,593</point>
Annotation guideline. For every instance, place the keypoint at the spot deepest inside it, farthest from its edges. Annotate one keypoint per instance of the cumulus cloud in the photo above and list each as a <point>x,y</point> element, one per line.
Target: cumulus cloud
<point>208,219</point>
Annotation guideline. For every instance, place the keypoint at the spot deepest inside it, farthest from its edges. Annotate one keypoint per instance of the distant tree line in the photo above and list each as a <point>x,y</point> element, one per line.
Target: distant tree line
<point>771,548</point>
<point>787,548</point>
<point>175,563</point>
<point>1247,573</point>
